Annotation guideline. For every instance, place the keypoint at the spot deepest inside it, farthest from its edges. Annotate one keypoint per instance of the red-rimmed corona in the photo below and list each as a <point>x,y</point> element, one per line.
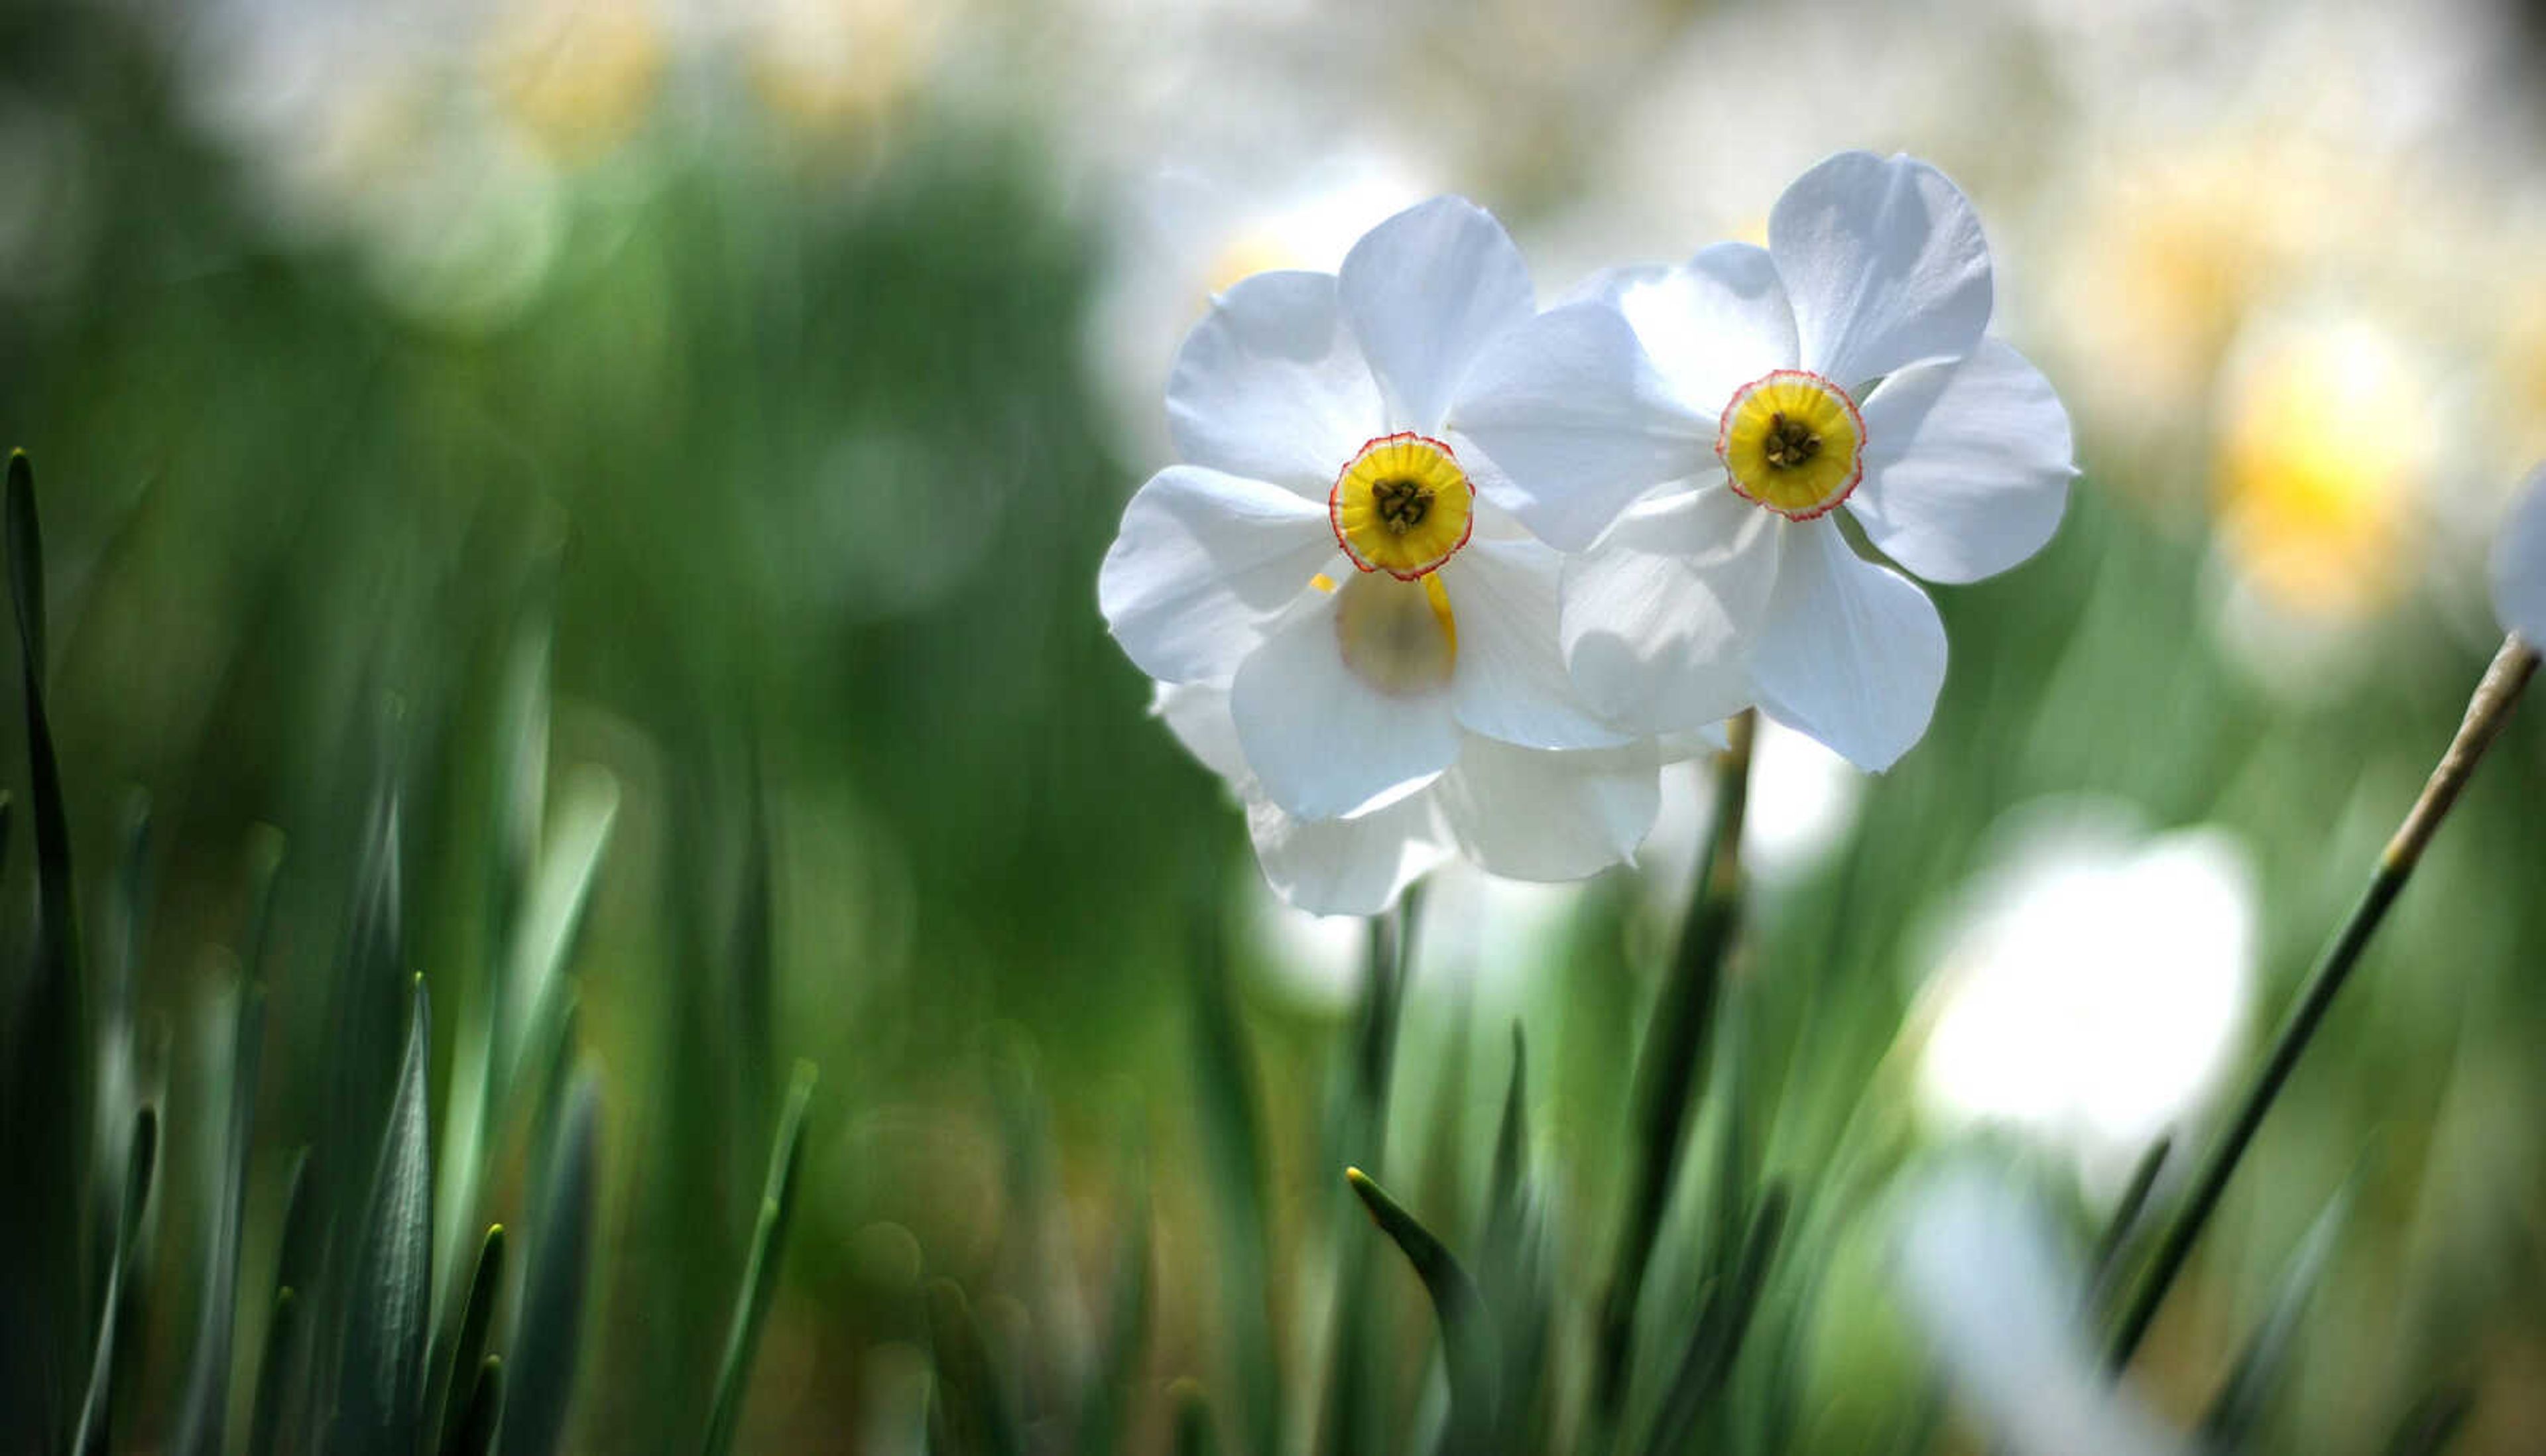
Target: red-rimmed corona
<point>1402,505</point>
<point>1793,442</point>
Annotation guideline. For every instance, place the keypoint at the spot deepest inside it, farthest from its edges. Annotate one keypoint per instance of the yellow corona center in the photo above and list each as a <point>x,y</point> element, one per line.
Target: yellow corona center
<point>1397,636</point>
<point>1403,506</point>
<point>1791,442</point>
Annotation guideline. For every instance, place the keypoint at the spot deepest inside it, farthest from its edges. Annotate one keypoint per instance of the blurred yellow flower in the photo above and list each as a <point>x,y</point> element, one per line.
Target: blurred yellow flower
<point>2321,448</point>
<point>578,77</point>
<point>836,65</point>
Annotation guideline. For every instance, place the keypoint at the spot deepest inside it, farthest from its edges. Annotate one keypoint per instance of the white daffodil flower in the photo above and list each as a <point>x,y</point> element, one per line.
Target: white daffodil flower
<point>1323,553</point>
<point>2520,564</point>
<point>1524,814</point>
<point>1696,429</point>
<point>1997,1297</point>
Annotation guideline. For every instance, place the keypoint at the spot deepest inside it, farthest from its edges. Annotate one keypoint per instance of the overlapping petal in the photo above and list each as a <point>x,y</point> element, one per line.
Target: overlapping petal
<point>1655,619</point>
<point>2520,564</point>
<point>1424,292</point>
<point>1712,324</point>
<point>1577,422</point>
<point>1850,652</point>
<point>1510,682</point>
<point>1968,465</point>
<point>1886,265</point>
<point>1531,815</point>
<point>1322,741</point>
<point>1355,866</point>
<point>1271,384</point>
<point>1203,564</point>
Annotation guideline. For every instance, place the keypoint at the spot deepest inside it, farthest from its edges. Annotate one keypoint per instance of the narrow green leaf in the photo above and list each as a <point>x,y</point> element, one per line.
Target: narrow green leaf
<point>1469,1344</point>
<point>201,1422</point>
<point>274,1376</point>
<point>1231,1123</point>
<point>1505,1190</point>
<point>548,1339</point>
<point>1194,1433</point>
<point>1723,1319</point>
<point>455,1369</point>
<point>760,1271</point>
<point>380,1397</point>
<point>2239,1405</point>
<point>551,916</point>
<point>47,1121</point>
<point>282,1383</point>
<point>2432,1422</point>
<point>2105,1268</point>
<point>97,1410</point>
<point>1116,1371</point>
<point>1671,1064</point>
<point>970,1414</point>
<point>475,1432</point>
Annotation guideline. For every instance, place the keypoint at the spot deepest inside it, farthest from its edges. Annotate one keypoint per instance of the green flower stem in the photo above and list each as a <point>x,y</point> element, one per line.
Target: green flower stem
<point>2486,714</point>
<point>1672,1065</point>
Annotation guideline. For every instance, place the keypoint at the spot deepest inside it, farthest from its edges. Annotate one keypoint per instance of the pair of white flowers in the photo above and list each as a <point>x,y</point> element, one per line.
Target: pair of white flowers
<point>1445,573</point>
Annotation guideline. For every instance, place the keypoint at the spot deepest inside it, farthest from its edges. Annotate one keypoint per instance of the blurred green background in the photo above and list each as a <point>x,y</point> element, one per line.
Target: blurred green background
<point>766,382</point>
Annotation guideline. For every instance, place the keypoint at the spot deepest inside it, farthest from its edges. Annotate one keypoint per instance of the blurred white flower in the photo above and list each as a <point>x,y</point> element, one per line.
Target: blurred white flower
<point>1325,559</point>
<point>1187,230</point>
<point>2520,564</point>
<point>1844,364</point>
<point>2091,986</point>
<point>1984,1277</point>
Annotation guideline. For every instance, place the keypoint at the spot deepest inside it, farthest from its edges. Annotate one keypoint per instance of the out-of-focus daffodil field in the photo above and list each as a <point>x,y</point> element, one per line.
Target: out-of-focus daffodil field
<point>591,509</point>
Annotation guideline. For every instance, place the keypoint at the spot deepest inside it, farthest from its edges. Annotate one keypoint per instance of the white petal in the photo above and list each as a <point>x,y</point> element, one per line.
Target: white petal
<point>1323,742</point>
<point>1530,815</point>
<point>1271,384</point>
<point>1988,1282</point>
<point>1204,563</point>
<point>1967,466</point>
<point>2520,564</point>
<point>1510,682</point>
<point>1885,263</point>
<point>1425,290</point>
<point>1576,423</point>
<point>1656,617</point>
<point>1355,866</point>
<point>1712,325</point>
<point>1199,717</point>
<point>1851,652</point>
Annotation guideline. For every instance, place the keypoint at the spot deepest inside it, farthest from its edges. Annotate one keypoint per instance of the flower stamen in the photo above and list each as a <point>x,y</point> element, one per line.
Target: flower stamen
<point>1791,442</point>
<point>1401,506</point>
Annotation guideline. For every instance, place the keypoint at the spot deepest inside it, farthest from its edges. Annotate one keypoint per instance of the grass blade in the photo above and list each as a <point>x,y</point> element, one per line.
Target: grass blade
<point>760,1271</point>
<point>1194,1436</point>
<point>45,1116</point>
<point>970,1414</point>
<point>1117,1370</point>
<point>2239,1405</point>
<point>1231,1127</point>
<point>381,1390</point>
<point>281,1389</point>
<point>1722,1321</point>
<point>97,1410</point>
<point>547,1339</point>
<point>476,1431</point>
<point>455,1370</point>
<point>201,1422</point>
<point>1467,1339</point>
